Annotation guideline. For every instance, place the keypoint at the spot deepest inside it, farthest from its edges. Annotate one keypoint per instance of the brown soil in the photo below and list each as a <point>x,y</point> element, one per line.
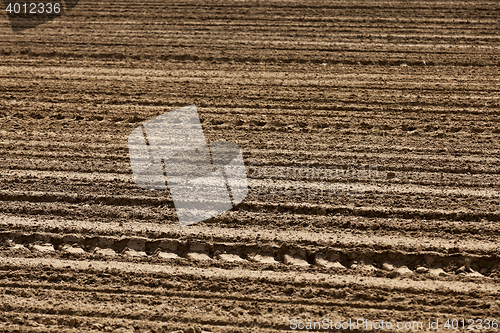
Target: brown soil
<point>411,88</point>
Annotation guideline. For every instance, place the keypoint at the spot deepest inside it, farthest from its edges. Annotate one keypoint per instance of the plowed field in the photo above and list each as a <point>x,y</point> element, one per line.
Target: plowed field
<point>400,99</point>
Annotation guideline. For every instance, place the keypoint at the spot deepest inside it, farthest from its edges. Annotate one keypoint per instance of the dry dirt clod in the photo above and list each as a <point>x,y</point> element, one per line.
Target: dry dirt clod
<point>49,322</point>
<point>294,260</point>
<point>474,274</point>
<point>328,264</point>
<point>264,259</point>
<point>198,256</point>
<point>403,270</point>
<point>368,268</point>
<point>289,289</point>
<point>195,329</point>
<point>124,330</point>
<point>97,326</point>
<point>73,322</point>
<point>43,248</point>
<point>438,272</point>
<point>73,250</point>
<point>422,270</point>
<point>338,265</point>
<point>387,267</point>
<point>133,253</point>
<point>167,255</point>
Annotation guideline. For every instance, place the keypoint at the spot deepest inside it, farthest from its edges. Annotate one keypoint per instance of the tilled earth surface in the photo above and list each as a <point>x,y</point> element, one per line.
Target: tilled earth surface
<point>399,100</point>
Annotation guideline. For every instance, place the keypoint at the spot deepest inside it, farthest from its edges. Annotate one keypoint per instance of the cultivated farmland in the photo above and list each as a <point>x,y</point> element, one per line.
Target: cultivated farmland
<point>405,96</point>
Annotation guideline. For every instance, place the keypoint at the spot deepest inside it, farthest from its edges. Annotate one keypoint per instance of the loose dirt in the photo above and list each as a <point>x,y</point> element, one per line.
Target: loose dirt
<point>406,90</point>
